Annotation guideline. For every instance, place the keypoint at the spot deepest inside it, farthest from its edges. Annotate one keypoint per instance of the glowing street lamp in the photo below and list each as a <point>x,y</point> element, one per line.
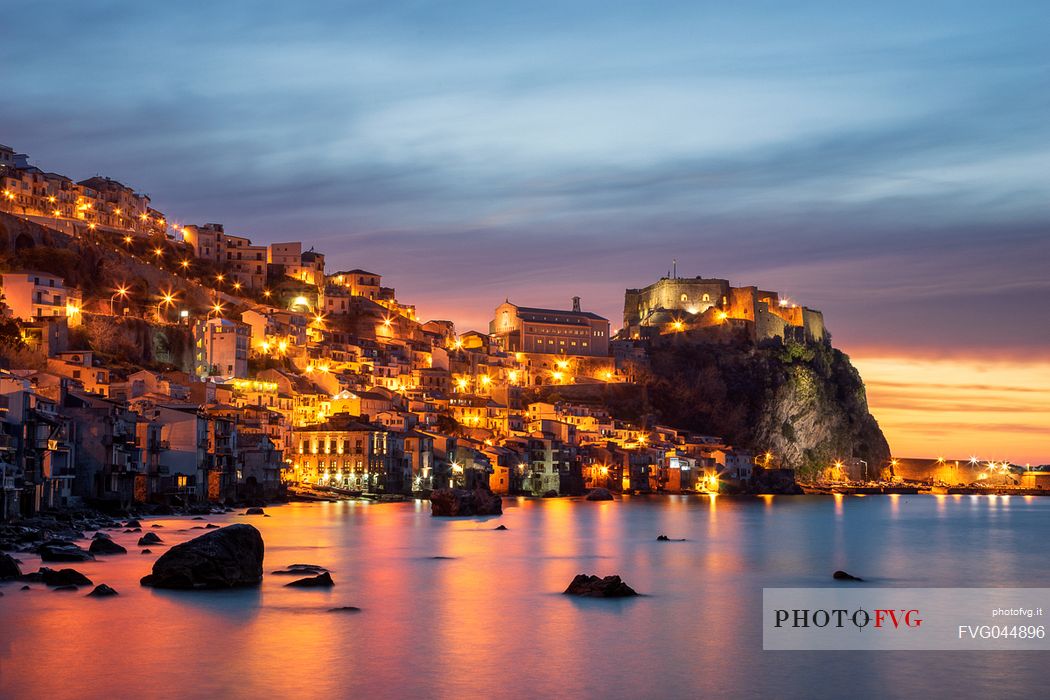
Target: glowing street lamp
<point>216,309</point>
<point>167,299</point>
<point>722,315</point>
<point>185,264</point>
<point>677,325</point>
<point>121,292</point>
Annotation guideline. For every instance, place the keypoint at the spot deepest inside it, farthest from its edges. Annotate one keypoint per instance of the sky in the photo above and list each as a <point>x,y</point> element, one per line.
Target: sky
<point>888,164</point>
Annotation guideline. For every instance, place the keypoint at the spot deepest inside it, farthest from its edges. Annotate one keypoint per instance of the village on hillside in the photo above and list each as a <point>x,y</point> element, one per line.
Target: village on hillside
<point>148,361</point>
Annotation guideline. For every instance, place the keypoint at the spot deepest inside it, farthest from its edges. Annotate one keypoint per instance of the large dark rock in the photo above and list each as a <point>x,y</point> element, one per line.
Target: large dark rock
<point>843,576</point>
<point>229,557</point>
<point>104,545</point>
<point>102,591</point>
<point>133,523</point>
<point>454,502</point>
<point>599,494</point>
<point>148,539</point>
<point>255,511</point>
<point>63,577</point>
<point>8,567</point>
<point>62,551</point>
<point>595,587</point>
<point>320,581</point>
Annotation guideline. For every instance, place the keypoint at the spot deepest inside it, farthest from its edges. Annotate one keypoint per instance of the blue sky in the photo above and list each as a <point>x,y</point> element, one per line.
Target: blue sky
<point>887,164</point>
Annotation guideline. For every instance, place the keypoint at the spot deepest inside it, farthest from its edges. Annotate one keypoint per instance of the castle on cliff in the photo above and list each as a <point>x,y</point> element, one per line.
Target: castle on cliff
<point>711,306</point>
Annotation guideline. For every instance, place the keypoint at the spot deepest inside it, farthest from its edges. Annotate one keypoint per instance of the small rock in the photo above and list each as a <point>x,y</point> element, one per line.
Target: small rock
<point>102,591</point>
<point>320,581</point>
<point>843,576</point>
<point>500,527</point>
<point>595,587</point>
<point>210,526</point>
<point>254,511</point>
<point>26,588</point>
<point>197,518</point>
<point>599,494</point>
<point>133,523</point>
<point>62,551</point>
<point>149,538</point>
<point>134,529</point>
<point>63,577</point>
<point>458,502</point>
<point>101,536</point>
<point>345,609</point>
<point>106,546</point>
<point>299,570</point>
<point>147,551</point>
<point>663,538</point>
<point>8,567</point>
<point>156,525</point>
<point>66,588</point>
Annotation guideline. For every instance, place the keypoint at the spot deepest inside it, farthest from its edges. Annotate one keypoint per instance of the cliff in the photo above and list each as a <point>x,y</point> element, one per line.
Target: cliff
<point>806,404</point>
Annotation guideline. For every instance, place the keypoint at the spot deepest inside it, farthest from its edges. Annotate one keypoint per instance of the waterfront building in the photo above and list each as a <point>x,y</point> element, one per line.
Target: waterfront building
<point>349,453</point>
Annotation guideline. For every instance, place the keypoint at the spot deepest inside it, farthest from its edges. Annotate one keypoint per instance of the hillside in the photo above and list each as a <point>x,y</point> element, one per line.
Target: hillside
<point>806,404</point>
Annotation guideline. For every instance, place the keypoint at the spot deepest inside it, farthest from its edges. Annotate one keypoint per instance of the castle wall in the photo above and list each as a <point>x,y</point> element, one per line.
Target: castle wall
<point>687,295</point>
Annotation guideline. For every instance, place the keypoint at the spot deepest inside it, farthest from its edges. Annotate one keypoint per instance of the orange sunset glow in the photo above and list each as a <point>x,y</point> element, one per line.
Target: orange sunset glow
<point>958,407</point>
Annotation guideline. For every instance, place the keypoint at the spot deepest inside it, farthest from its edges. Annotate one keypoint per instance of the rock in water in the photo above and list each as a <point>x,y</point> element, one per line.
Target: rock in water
<point>63,577</point>
<point>255,511</point>
<point>453,502</point>
<point>65,588</point>
<point>149,538</point>
<point>843,576</point>
<point>500,527</point>
<point>320,581</point>
<point>133,523</point>
<point>104,545</point>
<point>60,550</point>
<point>594,587</point>
<point>299,570</point>
<point>211,526</point>
<point>102,591</point>
<point>229,557</point>
<point>8,567</point>
<point>147,551</point>
<point>663,538</point>
<point>599,494</point>
<point>345,609</point>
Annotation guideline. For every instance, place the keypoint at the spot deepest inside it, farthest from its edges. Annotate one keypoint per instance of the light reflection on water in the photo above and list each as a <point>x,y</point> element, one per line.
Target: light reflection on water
<point>490,620</point>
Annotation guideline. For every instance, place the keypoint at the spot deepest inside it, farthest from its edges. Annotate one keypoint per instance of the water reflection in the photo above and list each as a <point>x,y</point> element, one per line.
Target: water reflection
<point>491,619</point>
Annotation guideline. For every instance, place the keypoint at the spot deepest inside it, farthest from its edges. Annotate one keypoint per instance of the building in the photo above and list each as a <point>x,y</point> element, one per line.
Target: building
<point>360,283</point>
<point>347,453</point>
<point>221,348</point>
<point>550,331</point>
<point>677,304</point>
<point>37,296</point>
<point>208,242</point>
<point>292,262</point>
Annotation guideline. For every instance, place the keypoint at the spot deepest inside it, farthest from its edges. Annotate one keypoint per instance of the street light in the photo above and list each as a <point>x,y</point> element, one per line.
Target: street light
<point>166,299</point>
<point>121,292</point>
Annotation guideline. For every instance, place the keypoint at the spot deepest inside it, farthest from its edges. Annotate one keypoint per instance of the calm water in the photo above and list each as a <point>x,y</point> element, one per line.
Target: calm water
<point>490,622</point>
